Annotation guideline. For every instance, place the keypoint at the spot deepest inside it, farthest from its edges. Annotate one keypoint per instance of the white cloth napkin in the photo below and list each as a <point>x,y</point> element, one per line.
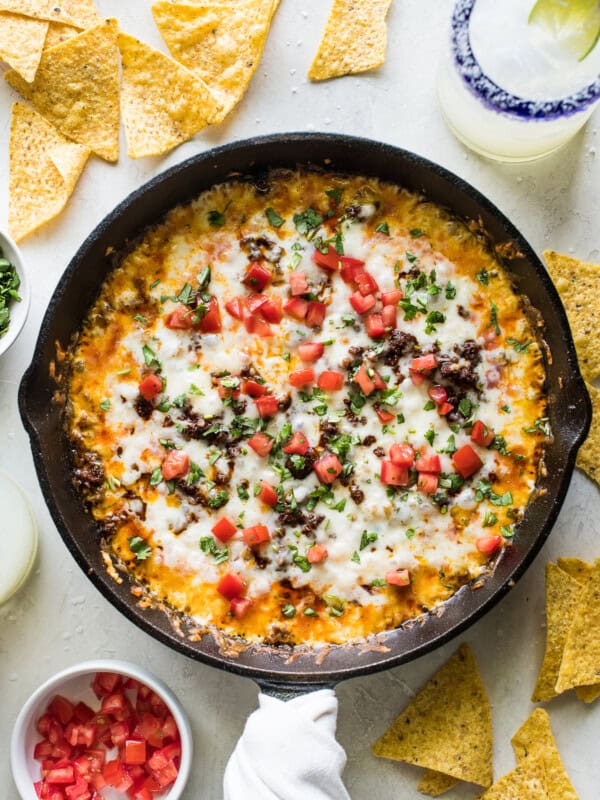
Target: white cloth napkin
<point>288,751</point>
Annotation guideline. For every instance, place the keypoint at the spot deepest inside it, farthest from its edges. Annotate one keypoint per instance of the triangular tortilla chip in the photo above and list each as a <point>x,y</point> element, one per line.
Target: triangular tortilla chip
<point>575,568</point>
<point>588,693</point>
<point>21,43</point>
<point>59,33</point>
<point>578,284</point>
<point>354,40</point>
<point>44,168</point>
<point>580,665</point>
<point>80,13</point>
<point>435,783</point>
<point>77,89</point>
<point>562,596</point>
<point>588,457</point>
<point>221,44</point>
<point>534,738</point>
<point>526,782</point>
<point>448,726</point>
<point>162,102</point>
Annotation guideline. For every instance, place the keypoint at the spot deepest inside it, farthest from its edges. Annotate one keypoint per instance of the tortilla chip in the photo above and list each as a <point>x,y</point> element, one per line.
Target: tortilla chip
<point>578,284</point>
<point>221,44</point>
<point>588,693</point>
<point>59,33</point>
<point>21,43</point>
<point>162,102</point>
<point>80,13</point>
<point>447,728</point>
<point>354,40</point>
<point>436,783</point>
<point>575,568</point>
<point>588,457</point>
<point>562,597</point>
<point>44,168</point>
<point>77,89</point>
<point>526,782</point>
<point>580,664</point>
<point>534,738</point>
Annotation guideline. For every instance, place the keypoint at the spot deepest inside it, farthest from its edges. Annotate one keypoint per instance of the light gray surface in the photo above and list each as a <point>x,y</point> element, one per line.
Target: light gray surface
<point>59,618</point>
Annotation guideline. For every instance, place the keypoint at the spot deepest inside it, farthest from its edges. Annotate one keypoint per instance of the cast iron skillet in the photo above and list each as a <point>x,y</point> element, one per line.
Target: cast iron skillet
<point>569,406</point>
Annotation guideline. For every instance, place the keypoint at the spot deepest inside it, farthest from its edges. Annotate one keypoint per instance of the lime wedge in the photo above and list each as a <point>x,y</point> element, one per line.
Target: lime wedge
<point>573,24</point>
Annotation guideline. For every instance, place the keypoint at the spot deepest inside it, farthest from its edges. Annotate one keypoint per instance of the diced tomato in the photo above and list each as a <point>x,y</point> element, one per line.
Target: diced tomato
<point>488,544</point>
<point>135,751</point>
<point>350,268</point>
<point>61,775</point>
<point>384,416</point>
<point>328,468</point>
<point>267,494</point>
<point>393,475</point>
<point>298,444</point>
<point>176,464</point>
<point>253,388</point>
<point>315,314</point>
<point>374,326</point>
<point>366,283</point>
<point>428,482</point>
<point>391,298</point>
<point>149,728</point>
<point>445,408</point>
<point>416,377</point>
<point>267,406</point>
<point>429,462</point>
<point>84,734</point>
<point>271,310</point>
<point>55,734</point>
<point>329,260</point>
<point>254,302</point>
<point>261,444</point>
<point>466,461</point>
<point>481,434</point>
<point>331,381</point>
<point>317,553</point>
<point>389,315</point>
<point>228,391</point>
<point>256,534</point>
<point>42,750</point>
<point>298,283</point>
<point>235,307</point>
<point>62,709</point>
<point>424,363</point>
<point>211,321</point>
<point>106,683</point>
<point>257,277</point>
<point>82,712</point>
<point>62,750</point>
<point>438,394</point>
<point>143,793</point>
<point>362,304</point>
<point>119,731</point>
<point>310,351</point>
<point>96,759</point>
<point>180,318</point>
<point>240,606</point>
<point>114,704</point>
<point>167,775</point>
<point>57,794</point>
<point>398,577</point>
<point>224,529</point>
<point>255,324</point>
<point>302,377</point>
<point>230,585</point>
<point>115,775</point>
<point>296,307</point>
<point>43,724</point>
<point>364,380</point>
<point>403,455</point>
<point>79,790</point>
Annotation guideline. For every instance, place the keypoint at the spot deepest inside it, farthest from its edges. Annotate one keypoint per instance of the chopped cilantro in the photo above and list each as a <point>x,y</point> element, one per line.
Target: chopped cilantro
<point>288,611</point>
<point>156,476</point>
<point>300,561</point>
<point>483,276</point>
<point>429,406</point>
<point>217,498</point>
<point>410,533</point>
<point>465,407</point>
<point>216,218</point>
<point>378,582</point>
<point>308,222</point>
<point>141,319</point>
<point>494,318</point>
<point>541,425</point>
<point>155,283</point>
<point>355,557</point>
<point>410,257</point>
<point>450,291</point>
<point>335,195</point>
<point>150,358</point>
<point>140,547</point>
<point>242,493</point>
<point>194,474</point>
<point>507,531</point>
<point>519,347</point>
<point>430,436</point>
<point>310,612</point>
<point>489,519</point>
<point>105,404</point>
<point>416,232</point>
<point>383,227</point>
<point>274,219</point>
<point>367,538</point>
<point>209,546</point>
<point>433,318</point>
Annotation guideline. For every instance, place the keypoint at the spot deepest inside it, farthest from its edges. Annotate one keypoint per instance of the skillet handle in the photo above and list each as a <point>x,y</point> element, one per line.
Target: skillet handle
<point>288,750</point>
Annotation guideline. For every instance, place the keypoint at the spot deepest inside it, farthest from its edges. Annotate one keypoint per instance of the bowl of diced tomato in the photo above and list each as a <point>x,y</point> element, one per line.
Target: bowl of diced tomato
<point>102,730</point>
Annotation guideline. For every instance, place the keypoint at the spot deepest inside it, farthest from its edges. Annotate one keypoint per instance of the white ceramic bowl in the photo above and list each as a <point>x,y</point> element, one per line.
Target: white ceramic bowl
<point>74,683</point>
<point>18,311</point>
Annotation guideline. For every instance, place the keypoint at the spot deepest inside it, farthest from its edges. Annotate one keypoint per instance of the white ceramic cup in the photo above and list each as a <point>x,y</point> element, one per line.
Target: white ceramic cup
<point>18,311</point>
<point>74,683</point>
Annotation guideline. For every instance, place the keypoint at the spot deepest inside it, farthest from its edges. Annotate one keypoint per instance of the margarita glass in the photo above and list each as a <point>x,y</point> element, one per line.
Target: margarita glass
<point>508,88</point>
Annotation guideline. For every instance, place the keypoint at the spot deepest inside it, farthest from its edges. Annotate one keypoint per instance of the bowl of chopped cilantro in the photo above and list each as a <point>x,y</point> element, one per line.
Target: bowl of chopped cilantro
<point>14,293</point>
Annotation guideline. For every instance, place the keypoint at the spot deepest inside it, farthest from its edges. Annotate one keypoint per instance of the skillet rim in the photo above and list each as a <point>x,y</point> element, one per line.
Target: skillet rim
<point>273,668</point>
